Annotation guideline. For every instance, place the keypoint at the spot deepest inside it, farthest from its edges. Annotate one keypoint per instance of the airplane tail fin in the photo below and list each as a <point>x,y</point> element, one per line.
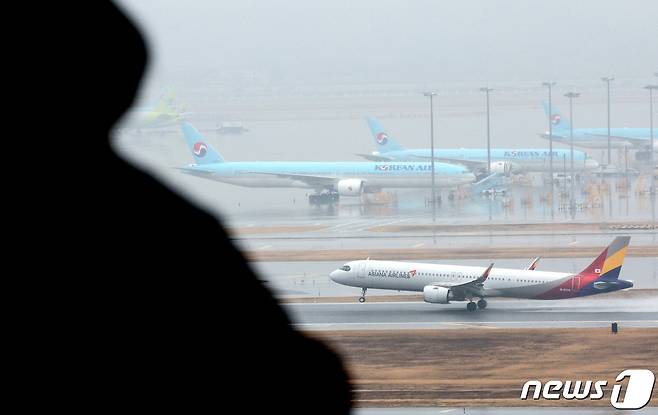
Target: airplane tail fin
<point>559,122</point>
<point>201,150</point>
<point>608,264</point>
<point>383,142</point>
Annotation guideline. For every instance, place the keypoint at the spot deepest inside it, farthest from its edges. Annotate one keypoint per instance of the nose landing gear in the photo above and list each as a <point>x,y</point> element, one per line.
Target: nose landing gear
<point>362,299</point>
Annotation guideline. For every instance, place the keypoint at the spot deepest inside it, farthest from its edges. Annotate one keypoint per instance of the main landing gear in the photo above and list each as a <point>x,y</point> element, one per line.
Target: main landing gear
<point>362,299</point>
<point>481,304</point>
<point>325,197</point>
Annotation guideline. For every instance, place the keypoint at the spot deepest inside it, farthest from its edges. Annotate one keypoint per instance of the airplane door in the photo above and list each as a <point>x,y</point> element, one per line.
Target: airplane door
<point>575,283</point>
<point>361,270</point>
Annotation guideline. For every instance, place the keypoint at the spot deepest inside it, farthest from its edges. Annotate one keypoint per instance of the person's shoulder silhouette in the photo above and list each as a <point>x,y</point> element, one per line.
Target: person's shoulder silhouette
<point>172,314</point>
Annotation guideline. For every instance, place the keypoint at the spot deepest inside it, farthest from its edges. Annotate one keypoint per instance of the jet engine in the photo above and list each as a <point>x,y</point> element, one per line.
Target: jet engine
<point>437,295</point>
<point>503,167</point>
<point>350,187</point>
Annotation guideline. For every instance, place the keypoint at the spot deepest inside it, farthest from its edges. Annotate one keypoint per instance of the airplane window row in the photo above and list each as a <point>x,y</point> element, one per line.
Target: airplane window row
<point>430,274</point>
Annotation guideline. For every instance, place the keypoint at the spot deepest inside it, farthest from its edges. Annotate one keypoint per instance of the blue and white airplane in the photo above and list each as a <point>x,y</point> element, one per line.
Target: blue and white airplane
<point>503,160</point>
<point>638,138</point>
<point>343,178</point>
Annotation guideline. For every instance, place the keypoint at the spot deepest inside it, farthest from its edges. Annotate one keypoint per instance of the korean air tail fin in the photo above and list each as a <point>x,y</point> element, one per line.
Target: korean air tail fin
<point>608,264</point>
<point>559,122</point>
<point>383,142</point>
<point>201,150</point>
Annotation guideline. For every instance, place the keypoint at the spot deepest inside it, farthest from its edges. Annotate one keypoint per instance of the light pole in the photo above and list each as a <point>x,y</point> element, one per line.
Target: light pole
<point>651,88</point>
<point>571,96</point>
<point>550,86</point>
<point>431,95</point>
<point>607,80</point>
<point>487,90</point>
<point>652,191</point>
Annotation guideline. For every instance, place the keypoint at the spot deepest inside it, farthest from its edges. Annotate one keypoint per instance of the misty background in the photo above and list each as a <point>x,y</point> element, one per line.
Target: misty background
<point>303,76</point>
<point>398,41</point>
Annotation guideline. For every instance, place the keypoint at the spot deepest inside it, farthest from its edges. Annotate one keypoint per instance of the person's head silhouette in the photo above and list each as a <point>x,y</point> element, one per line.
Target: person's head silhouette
<point>173,316</point>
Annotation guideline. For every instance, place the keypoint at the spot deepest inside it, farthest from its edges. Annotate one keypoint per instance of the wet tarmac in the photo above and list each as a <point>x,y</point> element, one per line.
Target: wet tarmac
<point>358,238</point>
<point>573,313</point>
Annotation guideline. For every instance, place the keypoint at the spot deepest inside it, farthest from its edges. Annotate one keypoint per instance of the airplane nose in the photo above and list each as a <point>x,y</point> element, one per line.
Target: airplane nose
<point>334,275</point>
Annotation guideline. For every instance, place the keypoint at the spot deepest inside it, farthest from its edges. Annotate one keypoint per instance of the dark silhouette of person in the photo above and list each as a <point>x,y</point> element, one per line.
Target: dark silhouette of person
<point>155,308</point>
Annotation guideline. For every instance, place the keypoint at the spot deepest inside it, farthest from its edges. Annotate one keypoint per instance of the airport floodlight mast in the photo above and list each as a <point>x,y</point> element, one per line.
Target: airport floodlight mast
<point>571,95</point>
<point>431,95</point>
<point>487,90</point>
<point>607,80</point>
<point>652,167</point>
<point>652,159</point>
<point>550,86</point>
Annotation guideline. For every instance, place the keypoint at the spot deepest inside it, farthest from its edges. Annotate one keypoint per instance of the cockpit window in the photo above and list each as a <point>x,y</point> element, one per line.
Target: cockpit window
<point>345,268</point>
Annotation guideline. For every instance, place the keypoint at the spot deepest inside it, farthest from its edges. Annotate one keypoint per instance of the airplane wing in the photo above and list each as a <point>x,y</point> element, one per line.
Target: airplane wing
<point>373,157</point>
<point>469,164</point>
<point>631,140</point>
<point>474,287</point>
<point>196,171</point>
<point>311,180</point>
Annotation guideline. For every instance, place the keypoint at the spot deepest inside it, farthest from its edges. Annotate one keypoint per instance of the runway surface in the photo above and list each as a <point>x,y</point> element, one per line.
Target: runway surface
<point>353,236</point>
<point>502,313</point>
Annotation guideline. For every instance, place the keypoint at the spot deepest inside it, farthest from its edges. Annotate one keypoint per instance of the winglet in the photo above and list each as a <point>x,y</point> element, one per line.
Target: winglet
<point>485,274</point>
<point>533,264</point>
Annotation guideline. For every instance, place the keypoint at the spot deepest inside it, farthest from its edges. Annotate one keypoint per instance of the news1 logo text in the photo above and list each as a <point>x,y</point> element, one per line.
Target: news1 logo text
<point>637,392</point>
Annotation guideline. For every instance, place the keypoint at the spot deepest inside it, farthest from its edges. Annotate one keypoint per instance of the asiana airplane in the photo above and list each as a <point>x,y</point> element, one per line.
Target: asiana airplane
<point>443,284</point>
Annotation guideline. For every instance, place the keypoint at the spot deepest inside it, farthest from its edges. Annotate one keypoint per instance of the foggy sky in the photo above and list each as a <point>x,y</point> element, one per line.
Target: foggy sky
<point>385,40</point>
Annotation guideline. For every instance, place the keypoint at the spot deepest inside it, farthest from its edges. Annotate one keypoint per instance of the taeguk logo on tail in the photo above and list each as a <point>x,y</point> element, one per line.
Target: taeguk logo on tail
<point>382,138</point>
<point>200,149</point>
<point>556,119</point>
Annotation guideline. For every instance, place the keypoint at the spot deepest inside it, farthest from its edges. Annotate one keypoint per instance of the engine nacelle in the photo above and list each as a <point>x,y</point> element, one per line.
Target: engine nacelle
<point>350,187</point>
<point>503,167</point>
<point>437,295</point>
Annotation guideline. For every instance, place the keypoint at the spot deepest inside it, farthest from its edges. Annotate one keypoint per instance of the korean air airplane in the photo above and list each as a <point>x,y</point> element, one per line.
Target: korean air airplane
<point>638,138</point>
<point>442,284</point>
<point>503,160</point>
<point>344,178</point>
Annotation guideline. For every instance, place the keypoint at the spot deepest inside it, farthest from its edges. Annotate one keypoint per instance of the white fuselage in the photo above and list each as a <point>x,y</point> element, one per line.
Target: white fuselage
<point>414,276</point>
